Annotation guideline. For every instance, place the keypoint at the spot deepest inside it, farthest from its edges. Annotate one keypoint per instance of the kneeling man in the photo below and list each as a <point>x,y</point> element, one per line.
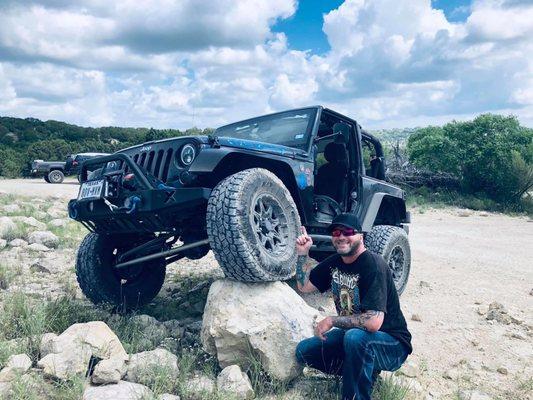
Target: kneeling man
<point>370,333</point>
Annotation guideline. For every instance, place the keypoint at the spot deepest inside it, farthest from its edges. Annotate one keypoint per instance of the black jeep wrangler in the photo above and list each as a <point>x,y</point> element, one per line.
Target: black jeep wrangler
<point>243,192</point>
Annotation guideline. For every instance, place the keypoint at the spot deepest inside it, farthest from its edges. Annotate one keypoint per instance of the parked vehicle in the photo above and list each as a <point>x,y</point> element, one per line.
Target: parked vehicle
<point>243,192</point>
<point>55,171</point>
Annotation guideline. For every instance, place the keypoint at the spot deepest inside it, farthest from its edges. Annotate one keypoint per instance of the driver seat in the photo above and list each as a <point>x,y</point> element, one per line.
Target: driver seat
<point>331,177</point>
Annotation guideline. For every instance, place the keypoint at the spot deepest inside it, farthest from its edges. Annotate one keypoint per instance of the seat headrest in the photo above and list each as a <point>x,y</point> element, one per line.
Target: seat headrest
<point>335,152</point>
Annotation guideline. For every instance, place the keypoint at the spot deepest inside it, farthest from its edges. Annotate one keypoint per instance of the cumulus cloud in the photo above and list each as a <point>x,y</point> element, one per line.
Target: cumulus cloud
<point>165,63</point>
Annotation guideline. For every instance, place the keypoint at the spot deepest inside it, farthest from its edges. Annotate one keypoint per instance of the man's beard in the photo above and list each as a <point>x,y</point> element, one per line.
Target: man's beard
<point>350,251</point>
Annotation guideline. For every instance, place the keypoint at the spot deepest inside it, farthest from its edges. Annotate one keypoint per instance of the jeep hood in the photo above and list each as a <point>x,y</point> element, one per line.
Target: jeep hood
<point>254,145</point>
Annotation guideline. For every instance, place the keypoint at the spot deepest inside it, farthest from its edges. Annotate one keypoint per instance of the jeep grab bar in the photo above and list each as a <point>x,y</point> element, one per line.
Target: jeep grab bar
<point>137,171</point>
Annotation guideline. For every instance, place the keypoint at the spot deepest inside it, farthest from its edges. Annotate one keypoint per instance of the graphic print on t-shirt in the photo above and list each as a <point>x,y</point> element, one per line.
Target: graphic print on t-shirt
<point>345,290</point>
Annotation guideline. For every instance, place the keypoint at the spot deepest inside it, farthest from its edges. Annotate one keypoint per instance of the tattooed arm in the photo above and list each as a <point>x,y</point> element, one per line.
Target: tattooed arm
<point>369,320</point>
<point>303,268</point>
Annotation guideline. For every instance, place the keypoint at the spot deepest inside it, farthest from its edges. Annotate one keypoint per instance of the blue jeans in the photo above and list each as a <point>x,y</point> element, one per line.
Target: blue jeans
<point>354,354</point>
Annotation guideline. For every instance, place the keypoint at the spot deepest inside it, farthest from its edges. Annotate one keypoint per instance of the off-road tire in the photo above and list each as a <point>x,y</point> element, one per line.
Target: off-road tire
<point>393,244</point>
<point>56,176</point>
<point>46,178</point>
<point>239,246</point>
<point>101,284</point>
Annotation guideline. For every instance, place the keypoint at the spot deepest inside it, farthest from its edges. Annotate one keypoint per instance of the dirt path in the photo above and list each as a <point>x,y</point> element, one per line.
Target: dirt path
<point>462,262</point>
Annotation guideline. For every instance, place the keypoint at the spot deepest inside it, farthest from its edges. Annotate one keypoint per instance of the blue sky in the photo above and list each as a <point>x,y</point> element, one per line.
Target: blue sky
<point>387,63</point>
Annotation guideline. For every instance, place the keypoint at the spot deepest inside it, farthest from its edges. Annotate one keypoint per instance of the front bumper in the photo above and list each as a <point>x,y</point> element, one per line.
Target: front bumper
<point>159,208</point>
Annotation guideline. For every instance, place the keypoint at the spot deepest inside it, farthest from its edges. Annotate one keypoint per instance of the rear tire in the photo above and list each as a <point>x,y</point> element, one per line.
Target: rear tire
<point>252,226</point>
<point>56,176</point>
<point>131,288</point>
<point>393,244</point>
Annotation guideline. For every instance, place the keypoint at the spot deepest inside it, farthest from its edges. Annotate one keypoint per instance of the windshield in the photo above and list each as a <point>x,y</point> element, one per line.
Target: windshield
<point>291,128</point>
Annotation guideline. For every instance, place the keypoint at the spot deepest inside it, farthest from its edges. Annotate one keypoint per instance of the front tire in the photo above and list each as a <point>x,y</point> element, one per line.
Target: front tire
<point>393,244</point>
<point>252,225</point>
<point>46,179</point>
<point>56,176</point>
<point>101,283</point>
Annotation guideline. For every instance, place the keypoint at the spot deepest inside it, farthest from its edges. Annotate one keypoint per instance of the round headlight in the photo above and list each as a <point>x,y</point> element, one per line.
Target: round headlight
<point>188,152</point>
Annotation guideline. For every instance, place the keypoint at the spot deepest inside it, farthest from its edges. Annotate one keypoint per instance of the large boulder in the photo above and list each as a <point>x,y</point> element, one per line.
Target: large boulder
<point>46,238</point>
<point>107,371</point>
<point>119,391</point>
<point>264,321</point>
<point>69,353</point>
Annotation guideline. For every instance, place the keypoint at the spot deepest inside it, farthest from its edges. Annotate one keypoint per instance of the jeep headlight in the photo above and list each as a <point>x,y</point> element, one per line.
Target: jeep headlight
<point>187,154</point>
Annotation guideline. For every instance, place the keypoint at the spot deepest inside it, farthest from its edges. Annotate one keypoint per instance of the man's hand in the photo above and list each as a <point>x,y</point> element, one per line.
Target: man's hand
<point>303,243</point>
<point>322,327</point>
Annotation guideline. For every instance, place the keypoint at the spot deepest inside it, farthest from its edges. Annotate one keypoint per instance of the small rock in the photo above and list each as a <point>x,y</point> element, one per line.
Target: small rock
<point>482,310</point>
<point>518,335</point>
<point>502,370</point>
<point>6,226</point>
<point>107,371</point>
<point>3,243</point>
<point>141,365</point>
<point>452,374</point>
<point>416,317</point>
<point>472,395</point>
<point>58,222</point>
<point>235,382</point>
<point>119,391</point>
<point>38,247</point>
<point>44,237</point>
<point>16,365</point>
<point>30,221</point>
<point>18,243</point>
<point>174,328</point>
<point>409,369</point>
<point>168,396</point>
<point>200,385</point>
<point>37,267</point>
<point>11,208</point>
<point>483,214</point>
<point>464,213</point>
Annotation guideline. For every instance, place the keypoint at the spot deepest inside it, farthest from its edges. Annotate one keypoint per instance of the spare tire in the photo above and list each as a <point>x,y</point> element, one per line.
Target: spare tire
<point>393,244</point>
<point>252,226</point>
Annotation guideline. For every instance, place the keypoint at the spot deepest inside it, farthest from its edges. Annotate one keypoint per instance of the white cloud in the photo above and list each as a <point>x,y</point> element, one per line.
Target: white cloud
<point>167,63</point>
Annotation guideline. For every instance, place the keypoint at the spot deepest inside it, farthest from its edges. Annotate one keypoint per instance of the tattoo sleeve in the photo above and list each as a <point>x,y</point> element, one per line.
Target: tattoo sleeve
<point>356,320</point>
<point>301,275</point>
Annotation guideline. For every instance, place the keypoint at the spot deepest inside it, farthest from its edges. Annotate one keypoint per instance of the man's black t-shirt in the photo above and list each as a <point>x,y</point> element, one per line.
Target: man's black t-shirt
<point>365,284</point>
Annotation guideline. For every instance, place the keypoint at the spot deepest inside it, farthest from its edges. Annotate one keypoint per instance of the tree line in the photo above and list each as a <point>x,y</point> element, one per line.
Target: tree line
<point>491,155</point>
<point>25,140</point>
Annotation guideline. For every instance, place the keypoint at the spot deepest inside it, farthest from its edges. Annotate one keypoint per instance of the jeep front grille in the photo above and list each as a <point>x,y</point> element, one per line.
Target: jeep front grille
<point>156,162</point>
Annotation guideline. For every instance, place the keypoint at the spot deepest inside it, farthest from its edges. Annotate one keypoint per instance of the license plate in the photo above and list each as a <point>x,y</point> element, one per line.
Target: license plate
<point>91,189</point>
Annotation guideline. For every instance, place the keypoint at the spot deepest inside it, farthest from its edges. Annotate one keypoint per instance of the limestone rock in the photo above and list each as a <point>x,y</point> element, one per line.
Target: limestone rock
<point>142,366</point>
<point>38,247</point>
<point>11,208</point>
<point>58,222</point>
<point>46,238</point>
<point>200,385</point>
<point>472,395</point>
<point>409,369</point>
<point>266,320</point>
<point>31,221</point>
<point>16,365</point>
<point>452,374</point>
<point>37,267</point>
<point>6,226</point>
<point>168,396</point>
<point>416,317</point>
<point>47,344</point>
<point>18,243</point>
<point>235,382</point>
<point>70,352</point>
<point>119,391</point>
<point>107,371</point>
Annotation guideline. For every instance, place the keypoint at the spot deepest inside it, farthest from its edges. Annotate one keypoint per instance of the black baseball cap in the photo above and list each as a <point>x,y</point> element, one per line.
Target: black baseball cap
<point>347,220</point>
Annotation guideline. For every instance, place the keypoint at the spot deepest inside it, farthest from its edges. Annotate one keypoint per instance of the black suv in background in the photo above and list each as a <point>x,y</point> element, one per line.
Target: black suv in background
<point>55,171</point>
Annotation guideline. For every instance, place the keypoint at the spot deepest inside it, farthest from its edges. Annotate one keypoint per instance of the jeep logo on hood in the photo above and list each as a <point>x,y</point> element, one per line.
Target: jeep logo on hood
<point>146,148</point>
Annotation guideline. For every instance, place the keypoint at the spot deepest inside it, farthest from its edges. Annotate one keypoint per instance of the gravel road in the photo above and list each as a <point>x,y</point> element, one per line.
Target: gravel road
<point>462,262</point>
